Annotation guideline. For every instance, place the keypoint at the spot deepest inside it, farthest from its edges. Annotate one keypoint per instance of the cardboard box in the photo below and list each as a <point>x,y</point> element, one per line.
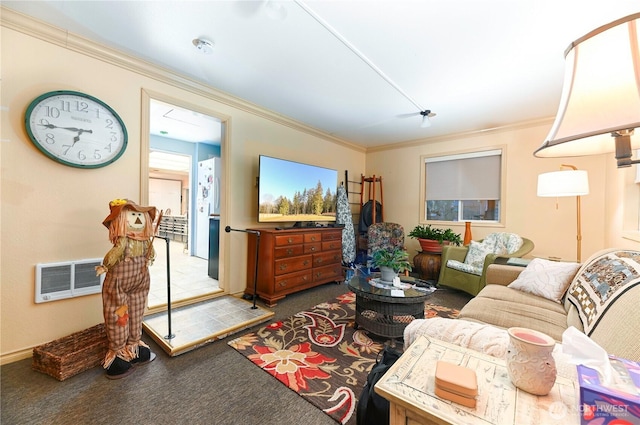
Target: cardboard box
<point>601,404</point>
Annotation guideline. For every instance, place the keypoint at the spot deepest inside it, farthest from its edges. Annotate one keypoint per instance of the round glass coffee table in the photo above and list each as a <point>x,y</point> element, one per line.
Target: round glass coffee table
<point>385,310</point>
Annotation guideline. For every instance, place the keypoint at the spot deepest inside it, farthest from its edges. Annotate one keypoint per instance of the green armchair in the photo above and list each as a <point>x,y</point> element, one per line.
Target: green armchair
<point>463,277</point>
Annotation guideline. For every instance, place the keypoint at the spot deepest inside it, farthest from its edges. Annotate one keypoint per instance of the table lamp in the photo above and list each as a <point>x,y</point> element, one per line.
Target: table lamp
<point>600,102</point>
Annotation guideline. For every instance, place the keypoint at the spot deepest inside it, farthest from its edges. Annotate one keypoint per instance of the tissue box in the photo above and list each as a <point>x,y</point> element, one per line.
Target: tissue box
<point>600,404</point>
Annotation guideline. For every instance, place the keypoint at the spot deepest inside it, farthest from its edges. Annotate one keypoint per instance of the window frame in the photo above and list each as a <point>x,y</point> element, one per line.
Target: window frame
<point>422,219</point>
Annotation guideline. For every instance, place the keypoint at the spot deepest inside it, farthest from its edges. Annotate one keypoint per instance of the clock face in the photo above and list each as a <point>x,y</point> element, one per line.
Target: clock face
<point>76,129</point>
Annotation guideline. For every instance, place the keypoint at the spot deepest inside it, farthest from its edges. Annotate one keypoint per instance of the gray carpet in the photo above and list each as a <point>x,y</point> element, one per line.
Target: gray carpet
<point>211,385</point>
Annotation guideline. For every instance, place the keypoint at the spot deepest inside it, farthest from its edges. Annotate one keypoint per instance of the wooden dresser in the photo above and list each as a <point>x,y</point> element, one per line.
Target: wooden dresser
<point>292,260</point>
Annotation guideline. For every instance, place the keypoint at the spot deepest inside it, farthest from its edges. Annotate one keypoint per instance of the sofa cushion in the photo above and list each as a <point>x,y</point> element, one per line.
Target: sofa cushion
<point>600,282</point>
<point>507,307</point>
<point>548,279</point>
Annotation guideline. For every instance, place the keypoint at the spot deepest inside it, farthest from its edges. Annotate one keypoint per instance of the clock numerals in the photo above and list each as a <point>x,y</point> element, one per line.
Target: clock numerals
<point>76,129</point>
<point>52,112</point>
<point>50,138</point>
<point>65,149</point>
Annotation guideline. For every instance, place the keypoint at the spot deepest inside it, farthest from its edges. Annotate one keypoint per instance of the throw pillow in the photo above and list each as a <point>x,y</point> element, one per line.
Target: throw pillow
<point>545,278</point>
<point>476,254</point>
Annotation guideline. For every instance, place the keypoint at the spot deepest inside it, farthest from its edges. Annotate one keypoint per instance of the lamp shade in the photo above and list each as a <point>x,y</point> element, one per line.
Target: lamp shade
<point>563,183</point>
<point>601,92</point>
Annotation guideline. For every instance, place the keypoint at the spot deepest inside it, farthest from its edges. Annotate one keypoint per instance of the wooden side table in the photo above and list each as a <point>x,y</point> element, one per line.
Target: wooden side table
<point>409,387</point>
<point>428,264</point>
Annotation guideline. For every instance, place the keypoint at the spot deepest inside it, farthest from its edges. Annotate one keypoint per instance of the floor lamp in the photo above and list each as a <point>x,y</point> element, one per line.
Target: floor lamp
<point>562,183</point>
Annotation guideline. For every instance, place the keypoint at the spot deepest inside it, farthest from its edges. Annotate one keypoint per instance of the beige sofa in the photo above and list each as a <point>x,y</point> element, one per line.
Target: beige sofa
<point>612,321</point>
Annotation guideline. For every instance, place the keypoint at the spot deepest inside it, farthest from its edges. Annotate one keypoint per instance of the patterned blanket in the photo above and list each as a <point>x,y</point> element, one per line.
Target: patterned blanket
<point>600,282</point>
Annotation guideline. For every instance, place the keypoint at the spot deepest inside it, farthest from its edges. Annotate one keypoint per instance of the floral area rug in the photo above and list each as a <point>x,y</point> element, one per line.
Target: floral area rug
<point>318,354</point>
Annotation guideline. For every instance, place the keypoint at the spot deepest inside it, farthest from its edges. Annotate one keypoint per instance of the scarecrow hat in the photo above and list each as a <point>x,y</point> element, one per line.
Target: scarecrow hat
<point>116,206</point>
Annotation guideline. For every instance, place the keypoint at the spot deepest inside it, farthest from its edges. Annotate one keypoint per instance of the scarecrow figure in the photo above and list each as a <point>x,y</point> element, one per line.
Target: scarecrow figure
<point>126,285</point>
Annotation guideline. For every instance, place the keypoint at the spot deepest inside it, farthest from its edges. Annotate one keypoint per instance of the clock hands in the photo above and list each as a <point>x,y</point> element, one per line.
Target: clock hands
<point>78,130</point>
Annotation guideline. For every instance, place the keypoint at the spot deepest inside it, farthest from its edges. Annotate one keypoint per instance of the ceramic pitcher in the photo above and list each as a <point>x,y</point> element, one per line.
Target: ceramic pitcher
<point>530,362</point>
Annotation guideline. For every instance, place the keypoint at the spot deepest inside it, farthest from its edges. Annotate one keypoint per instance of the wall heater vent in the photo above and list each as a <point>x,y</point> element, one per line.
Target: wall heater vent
<point>57,281</point>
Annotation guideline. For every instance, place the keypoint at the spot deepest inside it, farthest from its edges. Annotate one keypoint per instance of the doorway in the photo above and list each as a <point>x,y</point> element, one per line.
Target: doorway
<point>181,140</point>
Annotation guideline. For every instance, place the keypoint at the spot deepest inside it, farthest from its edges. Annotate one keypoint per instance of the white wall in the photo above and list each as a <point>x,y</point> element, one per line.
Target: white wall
<point>51,212</point>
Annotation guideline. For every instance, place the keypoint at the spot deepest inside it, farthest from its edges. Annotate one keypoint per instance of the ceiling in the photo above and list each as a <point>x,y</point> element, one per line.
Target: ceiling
<point>358,70</point>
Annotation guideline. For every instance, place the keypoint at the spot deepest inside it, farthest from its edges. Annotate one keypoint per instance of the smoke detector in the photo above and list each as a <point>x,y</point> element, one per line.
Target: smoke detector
<point>204,46</point>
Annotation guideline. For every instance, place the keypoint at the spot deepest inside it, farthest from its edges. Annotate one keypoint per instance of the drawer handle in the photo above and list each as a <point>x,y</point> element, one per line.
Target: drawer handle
<point>318,274</point>
<point>305,263</point>
<point>320,260</point>
<point>336,257</point>
<point>290,240</point>
<point>289,251</point>
<point>283,266</point>
<point>313,248</point>
<point>283,283</point>
<point>304,277</point>
<point>313,238</point>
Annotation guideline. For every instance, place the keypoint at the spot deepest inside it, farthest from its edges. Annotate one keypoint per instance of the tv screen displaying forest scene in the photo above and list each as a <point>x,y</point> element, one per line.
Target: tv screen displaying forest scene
<point>295,192</point>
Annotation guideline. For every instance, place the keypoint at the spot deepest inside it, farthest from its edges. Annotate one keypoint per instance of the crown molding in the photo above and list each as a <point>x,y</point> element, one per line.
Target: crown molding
<point>466,134</point>
<point>32,27</point>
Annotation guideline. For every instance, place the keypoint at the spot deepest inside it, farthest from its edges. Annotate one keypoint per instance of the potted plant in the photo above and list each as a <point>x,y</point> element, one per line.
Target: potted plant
<point>431,238</point>
<point>391,262</point>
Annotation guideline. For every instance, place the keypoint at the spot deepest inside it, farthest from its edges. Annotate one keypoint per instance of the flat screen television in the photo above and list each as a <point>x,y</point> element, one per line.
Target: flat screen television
<point>293,192</point>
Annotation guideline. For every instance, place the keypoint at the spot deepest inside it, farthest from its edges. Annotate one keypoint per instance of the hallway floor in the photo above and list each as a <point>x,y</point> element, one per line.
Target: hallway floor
<point>189,274</point>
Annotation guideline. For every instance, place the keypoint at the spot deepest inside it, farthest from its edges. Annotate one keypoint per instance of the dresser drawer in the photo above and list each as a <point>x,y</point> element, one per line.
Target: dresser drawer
<point>312,237</point>
<point>310,248</point>
<point>328,272</point>
<point>288,251</point>
<point>290,265</point>
<point>327,258</point>
<point>329,245</point>
<point>291,280</point>
<point>284,240</point>
<point>332,236</point>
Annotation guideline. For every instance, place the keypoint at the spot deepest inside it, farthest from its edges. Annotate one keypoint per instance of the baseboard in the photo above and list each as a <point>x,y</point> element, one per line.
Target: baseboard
<point>16,356</point>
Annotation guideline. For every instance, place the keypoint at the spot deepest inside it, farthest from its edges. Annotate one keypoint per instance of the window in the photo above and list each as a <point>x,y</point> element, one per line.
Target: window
<point>463,187</point>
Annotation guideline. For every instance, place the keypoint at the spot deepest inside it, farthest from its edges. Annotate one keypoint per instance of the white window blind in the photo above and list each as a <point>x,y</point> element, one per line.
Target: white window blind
<point>473,176</point>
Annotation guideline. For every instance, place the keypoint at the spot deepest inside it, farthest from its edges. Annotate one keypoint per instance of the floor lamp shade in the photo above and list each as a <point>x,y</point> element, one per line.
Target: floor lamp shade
<point>572,182</point>
<point>563,183</point>
<point>601,94</point>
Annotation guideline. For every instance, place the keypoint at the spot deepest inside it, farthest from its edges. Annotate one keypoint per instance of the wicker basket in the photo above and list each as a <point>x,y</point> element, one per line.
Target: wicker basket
<point>70,355</point>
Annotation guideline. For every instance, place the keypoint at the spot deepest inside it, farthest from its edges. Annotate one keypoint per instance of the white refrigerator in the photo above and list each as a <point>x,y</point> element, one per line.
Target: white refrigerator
<point>207,203</point>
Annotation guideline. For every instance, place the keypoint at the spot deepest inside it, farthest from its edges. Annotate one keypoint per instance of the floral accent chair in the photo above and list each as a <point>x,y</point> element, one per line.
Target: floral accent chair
<point>383,236</point>
<point>464,267</point>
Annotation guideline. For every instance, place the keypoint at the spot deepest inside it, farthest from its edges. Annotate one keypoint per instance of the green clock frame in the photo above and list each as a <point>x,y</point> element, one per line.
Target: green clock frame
<point>76,129</point>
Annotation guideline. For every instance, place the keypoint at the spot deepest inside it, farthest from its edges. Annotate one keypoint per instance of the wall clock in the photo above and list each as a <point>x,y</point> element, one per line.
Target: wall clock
<point>75,129</point>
